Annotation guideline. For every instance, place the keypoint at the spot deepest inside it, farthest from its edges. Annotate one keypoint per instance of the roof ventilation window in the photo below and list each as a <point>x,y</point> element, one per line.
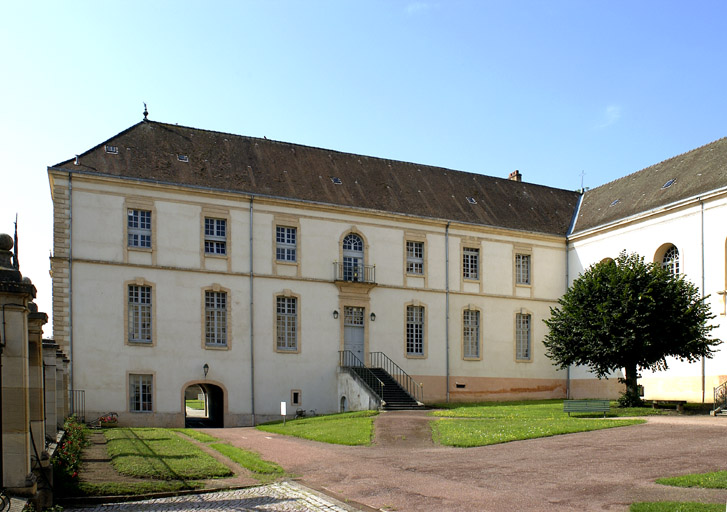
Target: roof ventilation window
<point>336,181</point>
<point>668,183</point>
<point>114,150</point>
<point>471,200</point>
<point>615,202</point>
<point>183,158</point>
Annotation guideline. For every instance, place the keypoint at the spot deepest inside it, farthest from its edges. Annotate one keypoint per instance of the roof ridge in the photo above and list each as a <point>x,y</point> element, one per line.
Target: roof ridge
<point>378,158</point>
<point>102,143</point>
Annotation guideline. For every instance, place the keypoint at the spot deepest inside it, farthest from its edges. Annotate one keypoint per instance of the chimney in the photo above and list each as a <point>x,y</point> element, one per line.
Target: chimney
<point>515,176</point>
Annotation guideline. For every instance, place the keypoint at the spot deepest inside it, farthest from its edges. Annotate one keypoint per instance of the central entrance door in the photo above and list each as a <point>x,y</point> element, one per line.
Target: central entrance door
<point>353,331</point>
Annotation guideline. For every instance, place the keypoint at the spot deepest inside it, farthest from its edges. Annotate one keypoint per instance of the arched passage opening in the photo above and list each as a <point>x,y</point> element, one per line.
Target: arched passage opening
<point>203,406</point>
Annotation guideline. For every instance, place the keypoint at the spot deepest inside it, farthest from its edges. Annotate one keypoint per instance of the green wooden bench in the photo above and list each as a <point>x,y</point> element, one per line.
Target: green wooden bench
<point>570,406</point>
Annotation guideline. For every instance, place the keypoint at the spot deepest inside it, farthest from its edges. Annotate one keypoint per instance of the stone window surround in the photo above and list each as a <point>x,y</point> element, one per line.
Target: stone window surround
<point>287,294</point>
<point>140,281</point>
<point>216,287</point>
<point>425,334</point>
<point>516,316</point>
<point>472,307</point>
<point>140,373</point>
<point>139,203</point>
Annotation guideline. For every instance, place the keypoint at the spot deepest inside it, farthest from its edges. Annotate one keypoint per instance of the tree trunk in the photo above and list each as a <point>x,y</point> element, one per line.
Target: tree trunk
<point>632,388</point>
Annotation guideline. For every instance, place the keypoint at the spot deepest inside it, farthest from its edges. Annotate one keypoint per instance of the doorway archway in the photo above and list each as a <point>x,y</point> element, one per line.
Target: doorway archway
<point>203,406</point>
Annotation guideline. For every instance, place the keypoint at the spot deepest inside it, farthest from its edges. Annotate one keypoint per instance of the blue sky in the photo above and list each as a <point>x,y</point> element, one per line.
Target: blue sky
<point>552,88</point>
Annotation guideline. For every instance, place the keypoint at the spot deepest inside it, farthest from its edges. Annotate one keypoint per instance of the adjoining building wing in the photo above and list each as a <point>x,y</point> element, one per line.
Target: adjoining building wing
<point>702,170</point>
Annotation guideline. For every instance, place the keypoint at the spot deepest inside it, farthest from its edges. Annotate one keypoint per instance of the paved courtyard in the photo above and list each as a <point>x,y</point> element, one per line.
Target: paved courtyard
<point>278,497</point>
<point>404,471</point>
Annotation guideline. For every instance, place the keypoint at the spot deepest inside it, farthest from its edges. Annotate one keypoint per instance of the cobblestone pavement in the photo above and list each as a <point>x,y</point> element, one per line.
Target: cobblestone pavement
<point>277,497</point>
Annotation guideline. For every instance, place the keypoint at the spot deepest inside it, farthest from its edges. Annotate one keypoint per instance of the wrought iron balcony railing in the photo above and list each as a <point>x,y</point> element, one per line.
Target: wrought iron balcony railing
<point>353,273</point>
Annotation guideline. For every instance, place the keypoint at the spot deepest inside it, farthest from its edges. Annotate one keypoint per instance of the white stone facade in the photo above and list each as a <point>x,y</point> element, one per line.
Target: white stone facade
<point>160,284</point>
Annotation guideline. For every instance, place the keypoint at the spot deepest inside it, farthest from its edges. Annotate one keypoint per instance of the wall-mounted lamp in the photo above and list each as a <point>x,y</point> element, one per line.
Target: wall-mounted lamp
<point>205,369</point>
<point>335,313</point>
<point>373,317</point>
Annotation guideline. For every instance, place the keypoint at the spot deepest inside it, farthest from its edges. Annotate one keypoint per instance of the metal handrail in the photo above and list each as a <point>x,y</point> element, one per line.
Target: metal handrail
<point>408,384</point>
<point>354,273</point>
<point>348,360</point>
<point>720,397</point>
<point>77,404</point>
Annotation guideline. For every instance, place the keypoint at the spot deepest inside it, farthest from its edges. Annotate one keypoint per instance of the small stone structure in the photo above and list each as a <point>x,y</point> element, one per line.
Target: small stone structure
<point>33,387</point>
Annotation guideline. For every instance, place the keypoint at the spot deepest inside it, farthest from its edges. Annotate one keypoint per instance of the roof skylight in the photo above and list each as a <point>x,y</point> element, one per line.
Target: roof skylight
<point>471,200</point>
<point>336,181</point>
<point>615,202</point>
<point>669,183</point>
<point>183,158</point>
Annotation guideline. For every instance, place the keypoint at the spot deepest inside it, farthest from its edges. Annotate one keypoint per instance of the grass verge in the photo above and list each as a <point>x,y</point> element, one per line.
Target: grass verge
<point>263,470</point>
<point>468,425</point>
<point>130,489</point>
<point>160,454</point>
<point>348,428</point>
<point>198,436</point>
<point>714,480</point>
<point>675,506</point>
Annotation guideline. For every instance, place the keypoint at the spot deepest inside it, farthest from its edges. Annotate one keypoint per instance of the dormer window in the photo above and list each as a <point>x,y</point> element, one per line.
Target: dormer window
<point>114,150</point>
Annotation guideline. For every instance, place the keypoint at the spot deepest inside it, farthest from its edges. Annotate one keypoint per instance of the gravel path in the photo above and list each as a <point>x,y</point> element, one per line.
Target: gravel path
<point>600,470</point>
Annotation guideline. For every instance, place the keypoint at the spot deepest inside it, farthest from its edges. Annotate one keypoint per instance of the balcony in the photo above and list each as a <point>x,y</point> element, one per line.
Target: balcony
<point>352,273</point>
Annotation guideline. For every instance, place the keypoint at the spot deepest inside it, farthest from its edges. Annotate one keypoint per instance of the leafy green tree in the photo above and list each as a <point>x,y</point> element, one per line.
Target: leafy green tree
<point>629,314</point>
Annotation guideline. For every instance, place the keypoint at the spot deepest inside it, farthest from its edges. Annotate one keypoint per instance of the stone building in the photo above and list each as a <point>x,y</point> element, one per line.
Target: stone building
<point>251,272</point>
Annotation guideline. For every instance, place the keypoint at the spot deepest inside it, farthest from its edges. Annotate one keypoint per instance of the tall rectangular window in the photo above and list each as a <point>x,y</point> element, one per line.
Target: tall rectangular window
<point>470,263</point>
<point>522,337</point>
<point>415,330</point>
<point>215,236</point>
<point>285,244</point>
<point>414,257</point>
<point>215,317</point>
<point>287,324</point>
<point>522,268</point>
<point>138,228</point>
<point>139,306</point>
<point>140,393</point>
<point>471,333</point>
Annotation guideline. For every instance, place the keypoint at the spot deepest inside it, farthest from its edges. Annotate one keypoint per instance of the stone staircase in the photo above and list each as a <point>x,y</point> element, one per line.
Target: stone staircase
<point>393,397</point>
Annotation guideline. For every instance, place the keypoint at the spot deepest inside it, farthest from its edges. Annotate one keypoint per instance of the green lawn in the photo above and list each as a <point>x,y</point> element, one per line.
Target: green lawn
<point>714,480</point>
<point>467,425</point>
<point>348,428</point>
<point>130,489</point>
<point>198,436</point>
<point>676,506</point>
<point>195,404</point>
<point>160,454</point>
<point>263,470</point>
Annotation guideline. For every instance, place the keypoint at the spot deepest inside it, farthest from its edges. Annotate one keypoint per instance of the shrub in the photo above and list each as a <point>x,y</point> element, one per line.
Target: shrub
<point>67,458</point>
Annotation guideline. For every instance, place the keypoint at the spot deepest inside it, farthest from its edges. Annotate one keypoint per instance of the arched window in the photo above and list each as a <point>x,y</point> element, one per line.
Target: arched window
<point>670,261</point>
<point>353,258</point>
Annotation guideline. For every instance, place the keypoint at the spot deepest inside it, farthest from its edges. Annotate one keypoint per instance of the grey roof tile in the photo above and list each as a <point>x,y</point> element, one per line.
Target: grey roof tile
<point>695,172</point>
<point>149,151</point>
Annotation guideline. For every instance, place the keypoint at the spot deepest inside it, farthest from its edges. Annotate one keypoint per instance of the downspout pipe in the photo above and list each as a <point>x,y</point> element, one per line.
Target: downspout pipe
<point>446,307</point>
<point>704,379</point>
<point>252,323</point>
<point>567,278</point>
<point>70,281</point>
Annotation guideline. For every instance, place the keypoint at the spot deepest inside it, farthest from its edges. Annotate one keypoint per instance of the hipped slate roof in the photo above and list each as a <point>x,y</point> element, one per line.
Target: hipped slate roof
<point>696,172</point>
<point>152,151</point>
